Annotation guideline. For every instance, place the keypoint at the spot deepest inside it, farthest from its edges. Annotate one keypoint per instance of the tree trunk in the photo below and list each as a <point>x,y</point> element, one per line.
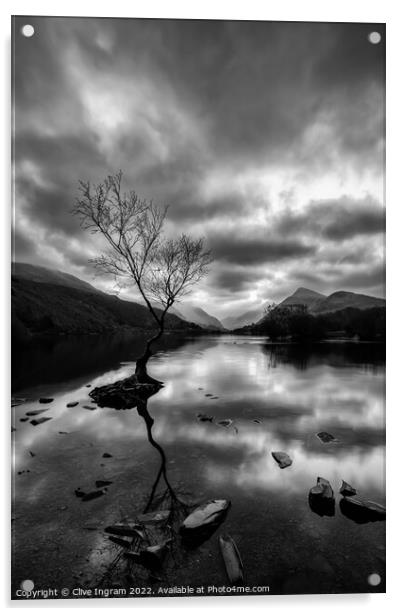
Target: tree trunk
<point>141,364</point>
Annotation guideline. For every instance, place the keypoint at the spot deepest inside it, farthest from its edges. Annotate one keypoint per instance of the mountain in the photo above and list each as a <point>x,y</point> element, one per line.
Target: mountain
<point>194,314</point>
<point>35,273</point>
<point>251,316</point>
<point>303,296</point>
<point>345,299</point>
<point>46,301</point>
<point>316,303</point>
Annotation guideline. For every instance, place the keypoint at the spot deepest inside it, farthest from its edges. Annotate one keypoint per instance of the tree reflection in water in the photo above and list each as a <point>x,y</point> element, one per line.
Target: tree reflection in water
<point>162,537</point>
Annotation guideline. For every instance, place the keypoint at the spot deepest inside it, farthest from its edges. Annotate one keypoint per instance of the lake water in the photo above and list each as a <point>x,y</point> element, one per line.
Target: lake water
<point>277,396</point>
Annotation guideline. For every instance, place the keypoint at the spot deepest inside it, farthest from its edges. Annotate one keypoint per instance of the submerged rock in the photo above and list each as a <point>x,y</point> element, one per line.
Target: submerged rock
<point>121,542</point>
<point>347,489</point>
<point>124,394</point>
<point>107,455</point>
<point>326,437</point>
<point>210,513</point>
<point>360,510</point>
<point>125,529</point>
<point>91,495</point>
<point>45,400</point>
<point>225,423</point>
<point>150,557</point>
<point>203,417</point>
<point>89,407</point>
<point>154,517</point>
<point>36,422</point>
<point>34,413</point>
<point>70,405</point>
<point>281,458</point>
<point>101,483</point>
<point>232,559</point>
<point>321,498</point>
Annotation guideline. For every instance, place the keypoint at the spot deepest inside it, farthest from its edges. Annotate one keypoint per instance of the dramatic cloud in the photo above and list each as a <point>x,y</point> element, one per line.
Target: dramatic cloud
<point>265,138</point>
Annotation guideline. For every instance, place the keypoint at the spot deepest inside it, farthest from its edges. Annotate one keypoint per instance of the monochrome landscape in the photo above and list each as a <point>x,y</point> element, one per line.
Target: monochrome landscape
<point>198,308</point>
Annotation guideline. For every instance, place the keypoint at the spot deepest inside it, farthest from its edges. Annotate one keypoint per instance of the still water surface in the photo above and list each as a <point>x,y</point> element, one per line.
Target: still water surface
<point>278,396</point>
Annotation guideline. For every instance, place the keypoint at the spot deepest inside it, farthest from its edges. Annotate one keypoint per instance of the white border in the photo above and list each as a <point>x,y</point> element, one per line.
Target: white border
<point>307,10</point>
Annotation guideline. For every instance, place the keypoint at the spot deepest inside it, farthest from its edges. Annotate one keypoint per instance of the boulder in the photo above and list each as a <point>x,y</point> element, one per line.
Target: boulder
<point>347,489</point>
<point>281,458</point>
<point>321,498</point>
<point>360,510</point>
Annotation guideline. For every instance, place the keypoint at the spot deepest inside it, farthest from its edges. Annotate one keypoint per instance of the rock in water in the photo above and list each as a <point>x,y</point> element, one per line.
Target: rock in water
<point>225,423</point>
<point>326,437</point>
<point>121,542</point>
<point>45,400</point>
<point>347,489</point>
<point>91,495</point>
<point>211,513</point>
<point>203,417</point>
<point>322,489</point>
<point>321,498</point>
<point>125,530</point>
<point>101,483</point>
<point>282,458</point>
<point>36,422</point>
<point>232,559</point>
<point>361,510</point>
<point>151,557</point>
<point>124,394</point>
<point>70,405</point>
<point>33,413</point>
<point>154,517</point>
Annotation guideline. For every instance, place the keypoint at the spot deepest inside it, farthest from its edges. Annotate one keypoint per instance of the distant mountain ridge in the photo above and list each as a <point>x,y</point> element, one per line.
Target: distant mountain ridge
<point>316,303</point>
<point>194,314</point>
<point>246,318</point>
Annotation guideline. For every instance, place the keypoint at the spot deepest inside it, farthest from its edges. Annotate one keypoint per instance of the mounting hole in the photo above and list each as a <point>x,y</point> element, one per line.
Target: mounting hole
<point>28,30</point>
<point>374,38</point>
<point>27,585</point>
<point>374,579</point>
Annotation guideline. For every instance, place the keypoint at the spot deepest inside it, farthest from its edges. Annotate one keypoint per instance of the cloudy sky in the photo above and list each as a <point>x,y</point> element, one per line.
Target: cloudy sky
<point>265,138</point>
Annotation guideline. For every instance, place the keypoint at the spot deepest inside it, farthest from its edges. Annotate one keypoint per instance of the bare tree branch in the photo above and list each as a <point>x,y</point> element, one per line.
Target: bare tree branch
<point>162,269</point>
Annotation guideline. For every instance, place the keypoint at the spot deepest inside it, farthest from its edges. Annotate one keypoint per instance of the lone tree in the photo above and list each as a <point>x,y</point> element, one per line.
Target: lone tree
<point>162,269</point>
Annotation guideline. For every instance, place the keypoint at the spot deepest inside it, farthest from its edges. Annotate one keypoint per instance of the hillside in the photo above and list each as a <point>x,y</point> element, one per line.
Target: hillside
<point>246,318</point>
<point>194,314</point>
<point>35,273</point>
<point>68,307</point>
<point>302,296</point>
<point>344,299</point>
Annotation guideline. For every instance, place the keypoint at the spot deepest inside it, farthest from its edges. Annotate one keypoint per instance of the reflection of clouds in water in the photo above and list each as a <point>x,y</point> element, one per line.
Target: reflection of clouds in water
<point>244,459</point>
<point>293,405</point>
<point>364,470</point>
